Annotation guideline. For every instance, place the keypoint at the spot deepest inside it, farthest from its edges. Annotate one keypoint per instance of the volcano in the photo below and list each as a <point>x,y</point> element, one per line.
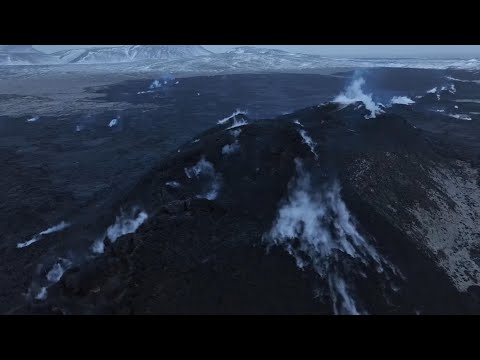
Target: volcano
<point>326,210</point>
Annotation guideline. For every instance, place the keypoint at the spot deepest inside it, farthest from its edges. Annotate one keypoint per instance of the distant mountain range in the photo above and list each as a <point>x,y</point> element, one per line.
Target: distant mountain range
<point>196,59</point>
<point>27,55</point>
<point>130,53</point>
<point>24,55</point>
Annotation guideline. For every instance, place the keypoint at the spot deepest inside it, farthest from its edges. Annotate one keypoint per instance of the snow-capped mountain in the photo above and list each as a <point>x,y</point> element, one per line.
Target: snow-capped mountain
<point>24,55</point>
<point>195,59</point>
<point>18,49</point>
<point>249,59</point>
<point>130,53</point>
<point>257,51</point>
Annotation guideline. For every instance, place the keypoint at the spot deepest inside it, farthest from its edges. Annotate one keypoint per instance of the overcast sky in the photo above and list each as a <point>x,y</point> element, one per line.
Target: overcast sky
<point>451,51</point>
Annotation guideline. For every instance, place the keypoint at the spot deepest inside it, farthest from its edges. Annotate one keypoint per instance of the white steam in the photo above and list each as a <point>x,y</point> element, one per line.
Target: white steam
<point>98,246</point>
<point>57,270</point>
<point>126,223</point>
<point>202,166</point>
<point>236,132</point>
<point>231,148</point>
<point>402,100</point>
<point>354,93</point>
<point>235,113</point>
<point>42,294</point>
<point>52,277</point>
<point>205,169</point>
<point>155,85</point>
<point>212,192</point>
<point>55,228</point>
<point>450,88</point>
<point>315,226</point>
<point>55,273</point>
<point>342,300</point>
<point>306,139</point>
<point>297,122</point>
<point>173,184</point>
<point>237,123</point>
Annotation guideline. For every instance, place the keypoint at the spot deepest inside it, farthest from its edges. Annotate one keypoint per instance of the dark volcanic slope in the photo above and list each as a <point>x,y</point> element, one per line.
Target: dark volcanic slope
<point>74,166</point>
<point>319,211</point>
<point>382,218</point>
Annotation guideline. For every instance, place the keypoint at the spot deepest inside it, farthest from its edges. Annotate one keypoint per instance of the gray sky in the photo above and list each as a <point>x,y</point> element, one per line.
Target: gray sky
<point>451,51</point>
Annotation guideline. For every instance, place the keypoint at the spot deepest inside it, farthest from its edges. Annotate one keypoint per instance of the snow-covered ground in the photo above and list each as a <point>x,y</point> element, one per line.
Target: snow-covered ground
<point>194,58</point>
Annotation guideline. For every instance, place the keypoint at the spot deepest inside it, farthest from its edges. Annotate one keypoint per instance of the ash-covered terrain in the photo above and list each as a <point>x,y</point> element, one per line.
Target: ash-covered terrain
<point>344,193</point>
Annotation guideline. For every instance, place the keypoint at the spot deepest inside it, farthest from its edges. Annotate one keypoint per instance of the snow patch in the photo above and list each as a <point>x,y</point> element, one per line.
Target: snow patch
<point>460,116</point>
<point>460,80</point>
